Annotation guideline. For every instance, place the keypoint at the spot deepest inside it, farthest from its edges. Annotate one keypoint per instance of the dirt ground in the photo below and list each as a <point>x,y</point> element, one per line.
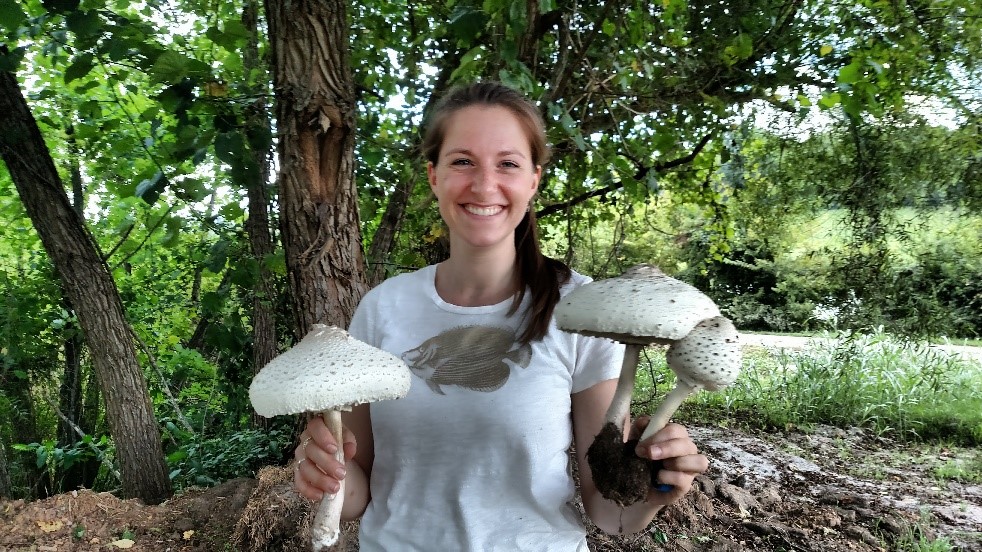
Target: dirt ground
<point>827,489</point>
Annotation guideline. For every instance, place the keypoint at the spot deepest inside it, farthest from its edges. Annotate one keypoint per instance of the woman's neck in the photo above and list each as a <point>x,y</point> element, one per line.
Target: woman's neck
<point>476,279</point>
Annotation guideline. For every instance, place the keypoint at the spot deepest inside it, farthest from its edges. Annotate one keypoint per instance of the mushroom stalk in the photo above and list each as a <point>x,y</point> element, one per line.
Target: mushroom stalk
<point>620,404</point>
<point>668,406</point>
<point>326,527</point>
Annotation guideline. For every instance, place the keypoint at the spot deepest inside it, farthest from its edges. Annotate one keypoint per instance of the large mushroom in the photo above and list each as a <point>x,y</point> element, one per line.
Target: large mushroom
<point>326,373</point>
<point>644,306</point>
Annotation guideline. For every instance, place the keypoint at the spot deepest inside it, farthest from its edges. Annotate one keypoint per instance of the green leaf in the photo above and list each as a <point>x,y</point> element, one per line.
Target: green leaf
<point>84,23</point>
<point>10,61</point>
<point>229,147</point>
<point>11,15</point>
<point>850,74</point>
<point>741,48</point>
<point>81,66</point>
<point>60,6</point>
<point>170,67</point>
<point>150,189</point>
<point>830,100</point>
<point>466,22</point>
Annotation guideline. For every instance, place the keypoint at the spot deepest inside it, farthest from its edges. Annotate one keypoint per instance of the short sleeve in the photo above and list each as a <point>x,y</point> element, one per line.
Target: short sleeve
<point>597,360</point>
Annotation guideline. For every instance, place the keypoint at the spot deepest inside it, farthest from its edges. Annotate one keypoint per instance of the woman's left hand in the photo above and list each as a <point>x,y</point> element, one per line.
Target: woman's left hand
<point>680,458</point>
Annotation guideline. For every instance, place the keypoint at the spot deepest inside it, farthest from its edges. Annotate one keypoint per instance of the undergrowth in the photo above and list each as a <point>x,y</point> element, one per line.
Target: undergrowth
<point>896,388</point>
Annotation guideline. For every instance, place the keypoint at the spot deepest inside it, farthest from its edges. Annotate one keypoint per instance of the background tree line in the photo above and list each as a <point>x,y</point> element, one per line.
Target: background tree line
<point>188,186</point>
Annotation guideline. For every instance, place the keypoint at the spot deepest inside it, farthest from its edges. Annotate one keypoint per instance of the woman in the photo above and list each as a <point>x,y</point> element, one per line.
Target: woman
<point>475,457</point>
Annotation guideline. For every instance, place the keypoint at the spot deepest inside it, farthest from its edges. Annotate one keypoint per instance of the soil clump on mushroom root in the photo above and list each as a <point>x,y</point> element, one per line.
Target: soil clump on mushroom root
<point>827,489</point>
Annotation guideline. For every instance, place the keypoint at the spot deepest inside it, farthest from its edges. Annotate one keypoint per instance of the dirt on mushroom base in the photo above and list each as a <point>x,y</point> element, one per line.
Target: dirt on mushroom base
<point>828,489</point>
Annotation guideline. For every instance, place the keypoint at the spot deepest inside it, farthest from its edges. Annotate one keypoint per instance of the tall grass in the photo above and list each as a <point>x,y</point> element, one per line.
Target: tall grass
<point>907,390</point>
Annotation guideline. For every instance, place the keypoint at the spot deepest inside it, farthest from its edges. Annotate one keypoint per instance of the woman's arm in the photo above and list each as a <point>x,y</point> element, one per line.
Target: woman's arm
<point>672,445</point>
<point>317,471</point>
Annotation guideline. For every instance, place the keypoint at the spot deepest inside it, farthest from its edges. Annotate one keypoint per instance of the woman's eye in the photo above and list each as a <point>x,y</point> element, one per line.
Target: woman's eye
<point>463,162</point>
<point>509,164</point>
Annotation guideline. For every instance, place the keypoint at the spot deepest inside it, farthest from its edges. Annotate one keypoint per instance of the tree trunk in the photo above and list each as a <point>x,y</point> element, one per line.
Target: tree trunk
<point>384,240</point>
<point>5,487</point>
<point>82,473</point>
<point>264,339</point>
<point>89,286</point>
<point>315,115</point>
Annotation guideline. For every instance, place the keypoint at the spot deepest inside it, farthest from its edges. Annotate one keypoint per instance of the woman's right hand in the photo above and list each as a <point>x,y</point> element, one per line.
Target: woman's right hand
<point>316,469</point>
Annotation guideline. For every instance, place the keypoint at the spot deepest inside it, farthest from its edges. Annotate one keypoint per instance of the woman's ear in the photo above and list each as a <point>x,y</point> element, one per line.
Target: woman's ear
<point>538,176</point>
<point>431,175</point>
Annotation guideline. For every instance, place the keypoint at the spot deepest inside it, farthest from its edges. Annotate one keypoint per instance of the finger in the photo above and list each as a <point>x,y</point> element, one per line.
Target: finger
<point>671,441</point>
<point>671,485</point>
<point>302,483</point>
<point>350,444</point>
<point>692,464</point>
<point>638,426</point>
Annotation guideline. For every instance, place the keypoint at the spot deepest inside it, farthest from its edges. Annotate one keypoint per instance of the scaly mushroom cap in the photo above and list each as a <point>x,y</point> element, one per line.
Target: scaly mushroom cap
<point>327,370</point>
<point>642,306</point>
<point>709,357</point>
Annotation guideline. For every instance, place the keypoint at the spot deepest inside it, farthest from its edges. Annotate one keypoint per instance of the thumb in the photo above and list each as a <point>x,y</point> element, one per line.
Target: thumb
<point>350,445</point>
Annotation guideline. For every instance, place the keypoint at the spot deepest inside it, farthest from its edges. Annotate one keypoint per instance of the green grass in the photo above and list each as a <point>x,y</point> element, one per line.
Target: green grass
<point>892,387</point>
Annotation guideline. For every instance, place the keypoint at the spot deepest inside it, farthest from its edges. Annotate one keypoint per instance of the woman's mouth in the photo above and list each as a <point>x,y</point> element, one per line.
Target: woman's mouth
<point>488,211</point>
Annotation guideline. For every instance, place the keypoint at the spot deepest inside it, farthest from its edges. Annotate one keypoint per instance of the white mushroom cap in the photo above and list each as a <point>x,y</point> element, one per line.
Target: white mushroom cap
<point>709,357</point>
<point>327,370</point>
<point>642,306</point>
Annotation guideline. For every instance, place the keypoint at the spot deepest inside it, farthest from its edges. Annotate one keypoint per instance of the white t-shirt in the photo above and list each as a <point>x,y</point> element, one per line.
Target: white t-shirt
<point>474,458</point>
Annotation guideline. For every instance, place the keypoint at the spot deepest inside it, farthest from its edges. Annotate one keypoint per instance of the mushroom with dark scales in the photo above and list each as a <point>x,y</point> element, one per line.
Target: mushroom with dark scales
<point>326,373</point>
<point>642,307</point>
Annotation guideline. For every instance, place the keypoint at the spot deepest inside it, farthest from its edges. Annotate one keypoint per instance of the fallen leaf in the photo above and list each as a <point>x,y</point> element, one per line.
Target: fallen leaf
<point>188,534</point>
<point>123,543</point>
<point>49,526</point>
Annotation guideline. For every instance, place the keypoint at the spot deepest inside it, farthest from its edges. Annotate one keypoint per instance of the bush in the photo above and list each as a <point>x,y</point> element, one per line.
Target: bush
<point>209,461</point>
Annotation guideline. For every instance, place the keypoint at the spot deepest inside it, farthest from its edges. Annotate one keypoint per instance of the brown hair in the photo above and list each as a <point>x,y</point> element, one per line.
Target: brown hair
<point>540,274</point>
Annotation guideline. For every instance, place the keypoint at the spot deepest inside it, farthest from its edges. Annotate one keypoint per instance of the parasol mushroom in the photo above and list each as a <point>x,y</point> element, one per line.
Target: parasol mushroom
<point>643,306</point>
<point>327,372</point>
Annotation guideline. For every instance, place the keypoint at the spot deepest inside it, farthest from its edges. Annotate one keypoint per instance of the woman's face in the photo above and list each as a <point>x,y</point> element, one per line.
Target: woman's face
<point>485,176</point>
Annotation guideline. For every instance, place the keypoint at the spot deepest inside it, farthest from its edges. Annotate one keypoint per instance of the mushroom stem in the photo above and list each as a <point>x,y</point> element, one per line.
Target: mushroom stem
<point>672,402</point>
<point>620,404</point>
<point>326,527</point>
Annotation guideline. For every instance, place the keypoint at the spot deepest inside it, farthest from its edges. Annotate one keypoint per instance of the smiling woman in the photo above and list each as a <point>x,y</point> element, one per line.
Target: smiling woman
<point>498,393</point>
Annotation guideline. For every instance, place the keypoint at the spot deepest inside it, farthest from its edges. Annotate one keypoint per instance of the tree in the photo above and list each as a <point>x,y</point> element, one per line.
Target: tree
<point>315,116</point>
<point>90,288</point>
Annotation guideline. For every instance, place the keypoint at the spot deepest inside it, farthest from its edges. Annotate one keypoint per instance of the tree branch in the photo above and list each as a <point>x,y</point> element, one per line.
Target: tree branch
<point>614,186</point>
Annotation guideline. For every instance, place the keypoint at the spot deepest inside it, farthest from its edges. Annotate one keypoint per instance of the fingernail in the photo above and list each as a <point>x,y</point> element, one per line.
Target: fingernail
<point>339,473</point>
<point>654,452</point>
<point>664,488</point>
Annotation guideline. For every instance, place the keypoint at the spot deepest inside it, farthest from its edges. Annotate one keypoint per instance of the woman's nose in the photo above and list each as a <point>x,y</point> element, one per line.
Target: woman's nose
<point>483,179</point>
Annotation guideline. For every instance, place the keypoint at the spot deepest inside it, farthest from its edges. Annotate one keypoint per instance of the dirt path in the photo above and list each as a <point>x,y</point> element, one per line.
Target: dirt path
<point>797,342</point>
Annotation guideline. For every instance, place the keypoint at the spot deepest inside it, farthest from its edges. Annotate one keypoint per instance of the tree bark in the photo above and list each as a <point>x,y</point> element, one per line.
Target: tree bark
<point>264,336</point>
<point>315,113</point>
<point>5,486</point>
<point>90,288</point>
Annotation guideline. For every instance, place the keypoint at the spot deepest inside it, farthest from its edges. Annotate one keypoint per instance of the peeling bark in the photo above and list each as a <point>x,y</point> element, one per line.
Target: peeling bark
<point>315,113</point>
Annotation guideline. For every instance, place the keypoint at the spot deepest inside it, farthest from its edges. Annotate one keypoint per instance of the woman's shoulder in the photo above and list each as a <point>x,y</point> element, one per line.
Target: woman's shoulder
<point>400,283</point>
<point>574,281</point>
